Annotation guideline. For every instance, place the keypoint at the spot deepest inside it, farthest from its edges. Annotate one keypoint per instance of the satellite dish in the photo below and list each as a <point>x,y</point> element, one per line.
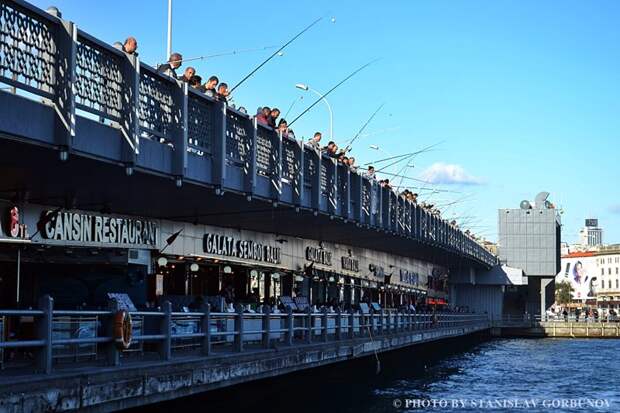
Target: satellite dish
<point>525,204</point>
<point>541,198</point>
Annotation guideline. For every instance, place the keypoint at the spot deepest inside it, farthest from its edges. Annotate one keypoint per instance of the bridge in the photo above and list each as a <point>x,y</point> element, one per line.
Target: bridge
<point>84,125</point>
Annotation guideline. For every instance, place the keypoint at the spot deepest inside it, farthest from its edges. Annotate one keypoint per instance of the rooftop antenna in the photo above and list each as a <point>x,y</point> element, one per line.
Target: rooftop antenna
<point>276,53</point>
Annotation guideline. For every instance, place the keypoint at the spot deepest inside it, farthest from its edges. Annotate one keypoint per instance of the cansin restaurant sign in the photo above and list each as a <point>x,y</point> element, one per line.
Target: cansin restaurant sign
<point>100,229</point>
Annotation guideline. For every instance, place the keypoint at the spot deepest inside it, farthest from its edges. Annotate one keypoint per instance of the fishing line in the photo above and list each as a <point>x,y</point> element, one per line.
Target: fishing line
<point>275,54</point>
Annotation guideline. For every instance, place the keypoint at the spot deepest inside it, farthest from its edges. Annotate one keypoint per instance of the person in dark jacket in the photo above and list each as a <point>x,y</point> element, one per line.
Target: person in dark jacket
<point>169,68</point>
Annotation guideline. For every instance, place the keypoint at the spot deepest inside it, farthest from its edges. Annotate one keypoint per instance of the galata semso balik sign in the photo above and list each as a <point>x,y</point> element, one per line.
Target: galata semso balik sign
<point>216,244</point>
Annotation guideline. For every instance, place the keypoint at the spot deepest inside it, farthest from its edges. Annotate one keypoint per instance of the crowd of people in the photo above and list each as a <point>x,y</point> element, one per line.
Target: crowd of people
<point>270,117</point>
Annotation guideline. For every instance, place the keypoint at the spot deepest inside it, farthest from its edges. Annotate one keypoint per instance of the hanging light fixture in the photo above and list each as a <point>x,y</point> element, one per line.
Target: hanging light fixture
<point>194,267</point>
<point>275,276</point>
<point>162,261</point>
<point>253,273</point>
<point>299,278</point>
<point>227,269</point>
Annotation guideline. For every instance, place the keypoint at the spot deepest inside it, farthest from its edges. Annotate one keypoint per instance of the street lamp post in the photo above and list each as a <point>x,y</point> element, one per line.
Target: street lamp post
<point>169,40</point>
<point>305,87</point>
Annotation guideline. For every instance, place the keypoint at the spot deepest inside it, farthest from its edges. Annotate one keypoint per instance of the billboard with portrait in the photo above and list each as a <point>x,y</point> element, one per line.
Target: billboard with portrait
<point>581,273</point>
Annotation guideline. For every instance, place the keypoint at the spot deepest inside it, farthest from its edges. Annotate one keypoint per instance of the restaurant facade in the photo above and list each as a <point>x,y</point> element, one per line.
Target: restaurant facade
<point>81,257</point>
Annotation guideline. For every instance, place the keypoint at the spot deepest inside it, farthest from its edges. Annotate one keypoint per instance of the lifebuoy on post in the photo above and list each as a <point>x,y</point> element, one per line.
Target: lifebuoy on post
<point>122,329</point>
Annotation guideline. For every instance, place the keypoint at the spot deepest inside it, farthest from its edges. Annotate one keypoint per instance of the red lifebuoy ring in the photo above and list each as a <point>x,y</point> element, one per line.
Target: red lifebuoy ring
<point>122,329</point>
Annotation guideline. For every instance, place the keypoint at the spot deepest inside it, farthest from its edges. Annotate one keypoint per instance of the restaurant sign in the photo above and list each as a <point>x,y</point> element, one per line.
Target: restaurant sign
<point>377,271</point>
<point>216,244</point>
<point>319,255</point>
<point>101,229</point>
<point>409,277</point>
<point>350,264</point>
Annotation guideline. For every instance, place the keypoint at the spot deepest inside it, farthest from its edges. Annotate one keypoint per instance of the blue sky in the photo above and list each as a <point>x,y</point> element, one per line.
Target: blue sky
<point>523,96</point>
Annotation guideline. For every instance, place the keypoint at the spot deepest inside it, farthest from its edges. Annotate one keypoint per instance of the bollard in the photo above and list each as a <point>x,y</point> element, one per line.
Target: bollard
<point>206,329</point>
<point>165,348</point>
<point>372,322</point>
<point>44,332</point>
<point>324,325</point>
<point>309,325</point>
<point>238,343</point>
<point>351,318</point>
<point>112,353</point>
<point>290,331</point>
<point>338,324</point>
<point>409,320</point>
<point>266,325</point>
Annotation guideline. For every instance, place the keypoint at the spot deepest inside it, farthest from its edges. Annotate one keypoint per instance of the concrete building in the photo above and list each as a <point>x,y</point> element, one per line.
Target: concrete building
<point>529,239</point>
<point>608,269</point>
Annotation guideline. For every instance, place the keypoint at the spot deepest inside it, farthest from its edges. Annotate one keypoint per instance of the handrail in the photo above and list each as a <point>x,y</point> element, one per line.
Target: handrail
<point>141,101</point>
<point>227,329</point>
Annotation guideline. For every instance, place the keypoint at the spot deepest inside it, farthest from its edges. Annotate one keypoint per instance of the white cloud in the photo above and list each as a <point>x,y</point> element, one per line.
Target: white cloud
<point>451,174</point>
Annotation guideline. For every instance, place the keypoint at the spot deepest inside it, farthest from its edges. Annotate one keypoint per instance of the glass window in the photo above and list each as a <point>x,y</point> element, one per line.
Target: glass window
<point>617,283</point>
<point>602,271</point>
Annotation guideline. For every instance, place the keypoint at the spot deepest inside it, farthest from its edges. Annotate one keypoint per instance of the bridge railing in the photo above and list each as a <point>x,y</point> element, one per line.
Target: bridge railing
<point>164,126</point>
<point>89,337</point>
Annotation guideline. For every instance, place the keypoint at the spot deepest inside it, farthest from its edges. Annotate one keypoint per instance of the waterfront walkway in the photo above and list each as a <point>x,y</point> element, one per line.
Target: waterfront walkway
<point>178,354</point>
<point>511,326</point>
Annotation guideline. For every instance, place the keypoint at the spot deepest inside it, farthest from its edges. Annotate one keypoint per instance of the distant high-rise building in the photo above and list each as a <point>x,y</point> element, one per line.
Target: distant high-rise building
<point>591,235</point>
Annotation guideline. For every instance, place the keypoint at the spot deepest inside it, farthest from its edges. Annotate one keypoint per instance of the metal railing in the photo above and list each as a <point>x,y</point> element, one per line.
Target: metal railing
<point>535,320</point>
<point>198,138</point>
<point>166,333</point>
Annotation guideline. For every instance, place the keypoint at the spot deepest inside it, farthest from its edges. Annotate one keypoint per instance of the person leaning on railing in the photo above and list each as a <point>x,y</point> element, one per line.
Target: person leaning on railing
<point>196,83</point>
<point>273,117</point>
<point>262,115</point>
<point>130,46</point>
<point>370,173</point>
<point>223,95</point>
<point>283,128</point>
<point>169,68</point>
<point>352,165</point>
<point>187,74</point>
<point>315,141</point>
<point>209,88</point>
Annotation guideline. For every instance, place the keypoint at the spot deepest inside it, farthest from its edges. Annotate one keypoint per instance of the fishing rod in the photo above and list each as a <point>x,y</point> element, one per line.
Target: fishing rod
<point>423,150</point>
<point>365,135</point>
<point>274,54</point>
<point>291,107</point>
<point>418,180</point>
<point>331,90</point>
<point>388,159</point>
<point>404,171</point>
<point>229,53</point>
<point>348,147</point>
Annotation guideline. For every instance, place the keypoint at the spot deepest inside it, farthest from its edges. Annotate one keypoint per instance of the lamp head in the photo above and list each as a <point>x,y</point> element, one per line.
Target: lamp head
<point>302,86</point>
